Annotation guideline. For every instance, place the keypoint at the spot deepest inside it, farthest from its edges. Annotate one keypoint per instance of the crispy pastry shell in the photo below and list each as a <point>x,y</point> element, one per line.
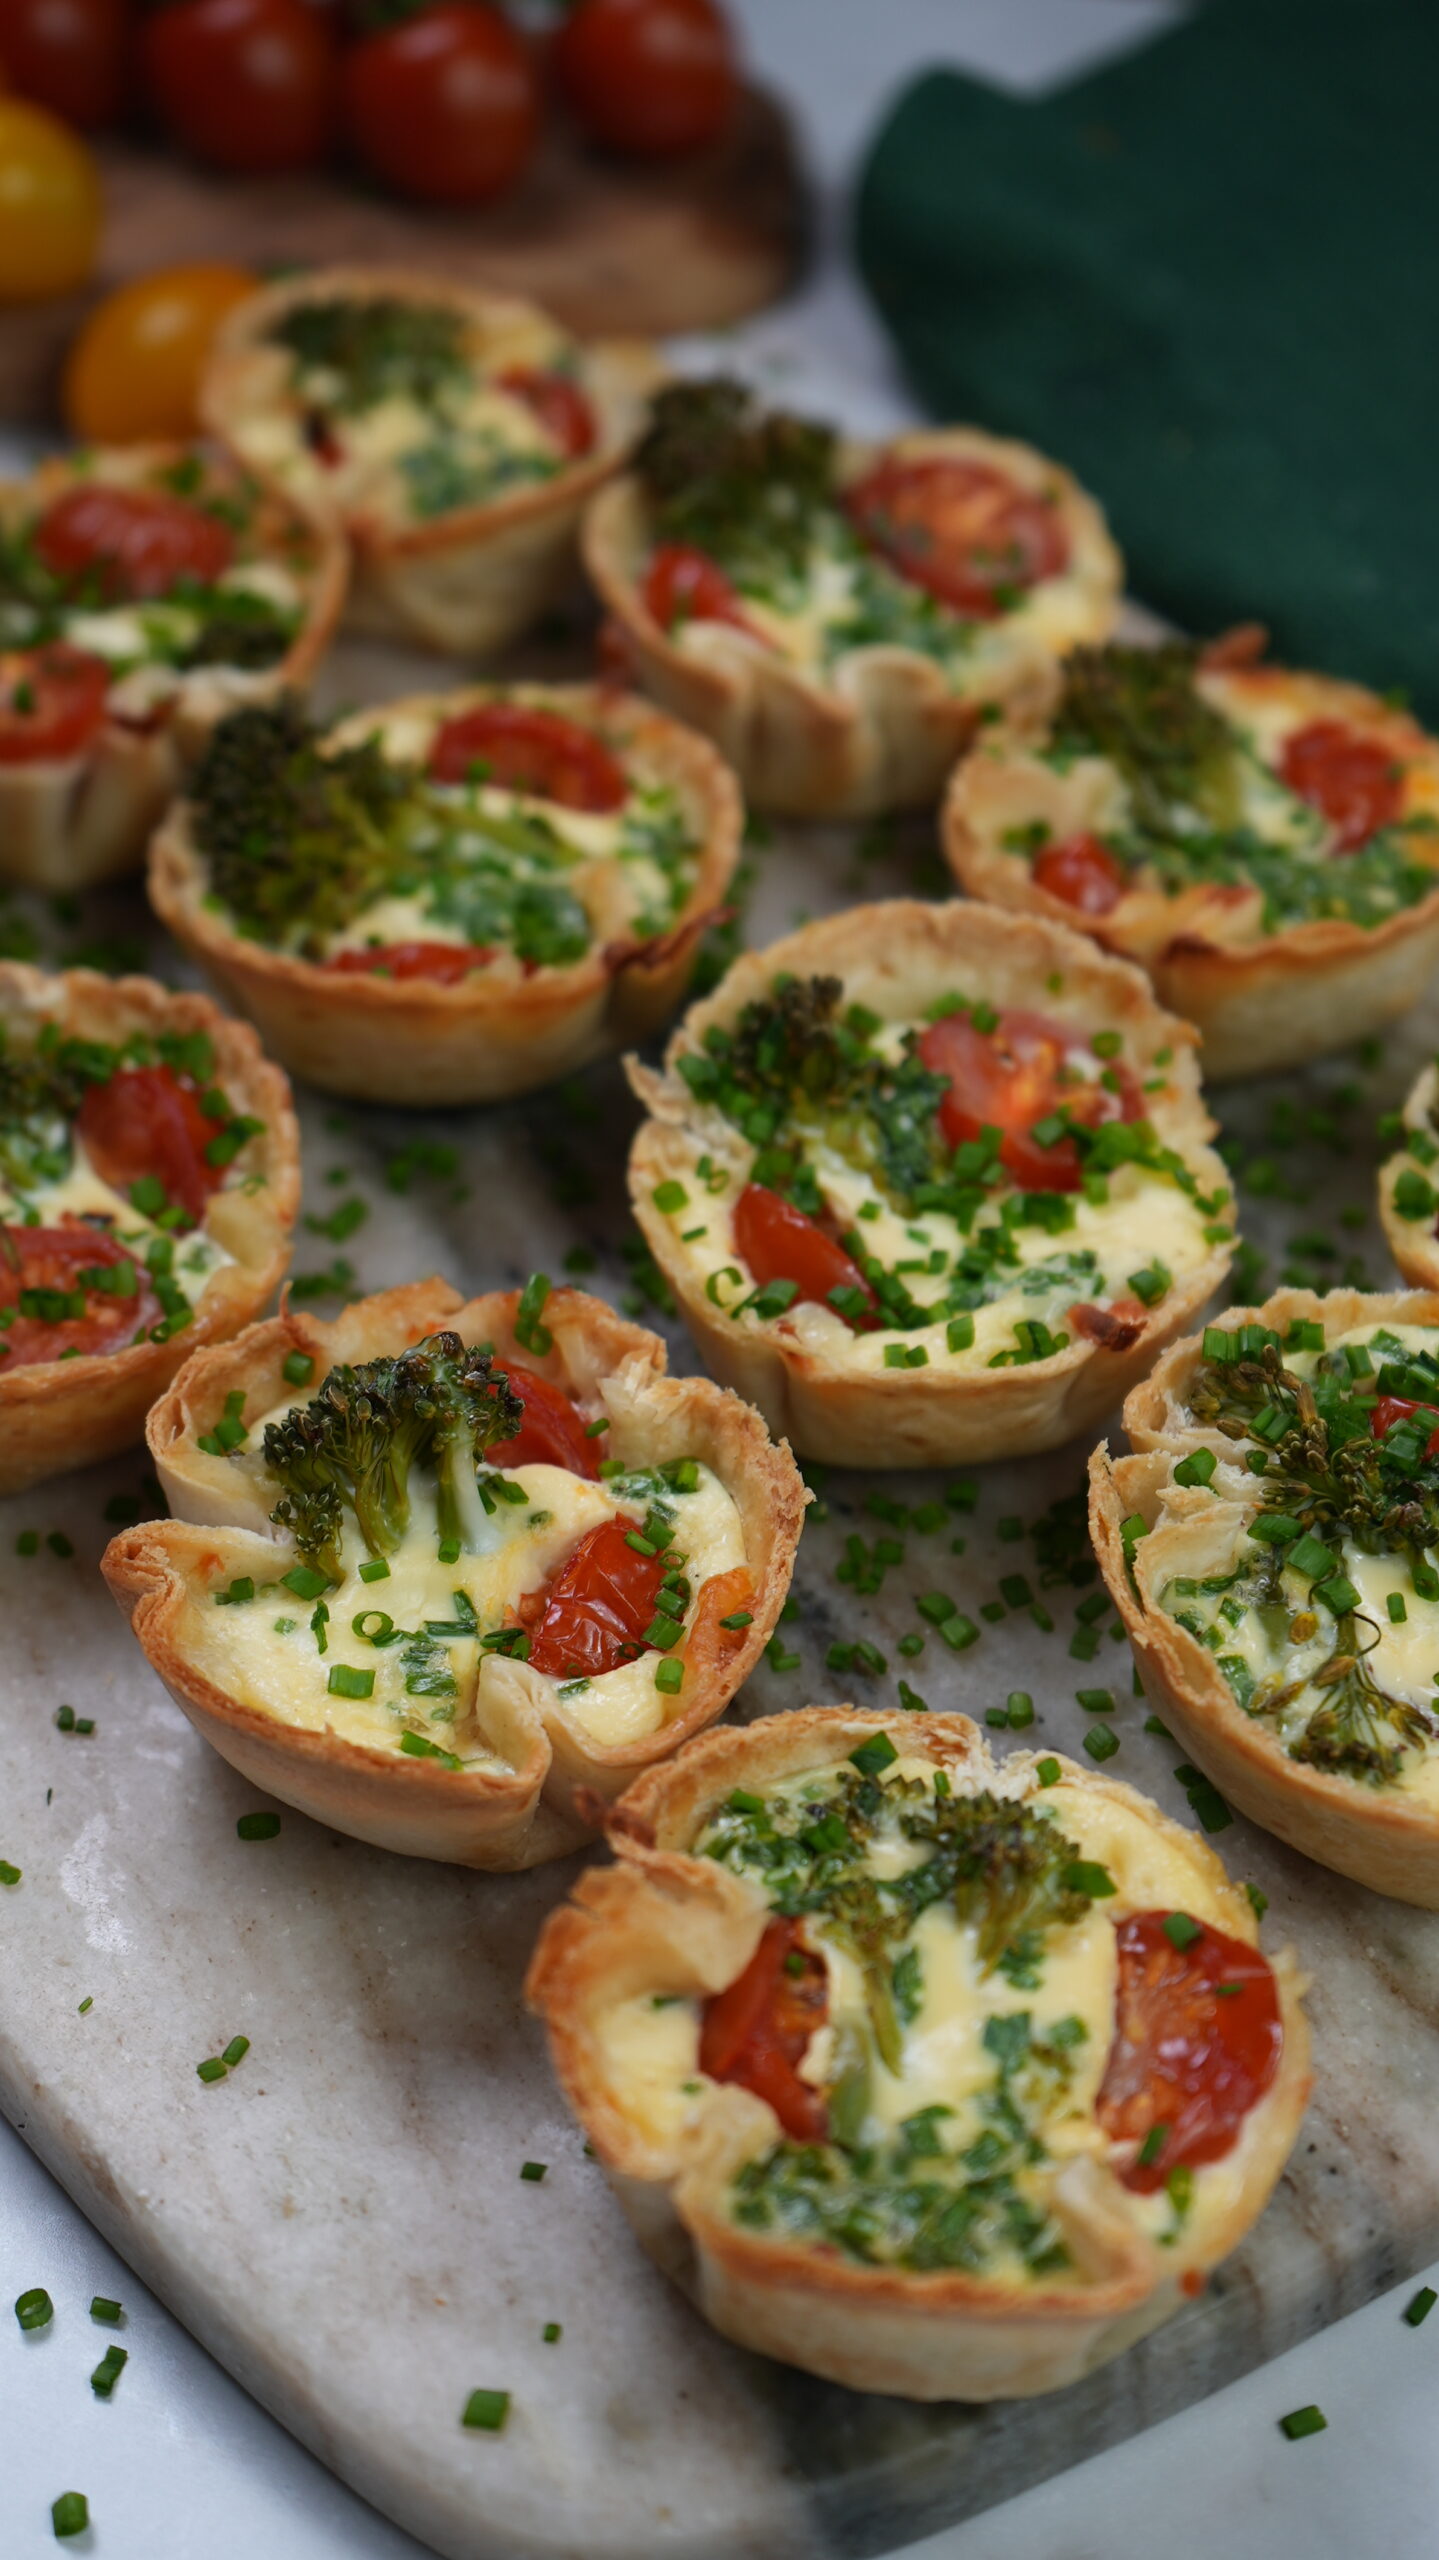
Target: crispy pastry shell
<point>59,1414</point>
<point>550,1797</point>
<point>1414,1242</point>
<point>826,1405</point>
<point>665,1921</point>
<point>499,1032</point>
<point>1373,1835</point>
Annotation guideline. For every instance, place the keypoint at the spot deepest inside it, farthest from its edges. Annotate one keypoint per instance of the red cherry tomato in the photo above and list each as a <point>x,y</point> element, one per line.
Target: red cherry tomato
<point>1084,873</point>
<point>778,1242</point>
<point>1008,1078</point>
<point>247,85</point>
<point>526,748</point>
<point>558,403</point>
<point>50,1262</point>
<point>553,1431</point>
<point>444,106</point>
<point>69,56</point>
<point>1388,1410</point>
<point>136,543</point>
<point>652,77</point>
<point>595,1610</point>
<point>148,1120</point>
<point>52,701</point>
<point>445,964</point>
<point>1186,2055</point>
<point>964,531</point>
<point>757,2031</point>
<point>1353,781</point>
<point>685,585</point>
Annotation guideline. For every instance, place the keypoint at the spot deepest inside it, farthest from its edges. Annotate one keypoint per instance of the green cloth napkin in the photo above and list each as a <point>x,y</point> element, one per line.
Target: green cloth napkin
<point>1207,278</point>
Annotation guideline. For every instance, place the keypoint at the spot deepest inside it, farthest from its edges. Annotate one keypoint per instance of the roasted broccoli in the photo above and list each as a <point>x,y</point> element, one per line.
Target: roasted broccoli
<point>295,838</point>
<point>1143,710</point>
<point>376,350</point>
<point>743,483</point>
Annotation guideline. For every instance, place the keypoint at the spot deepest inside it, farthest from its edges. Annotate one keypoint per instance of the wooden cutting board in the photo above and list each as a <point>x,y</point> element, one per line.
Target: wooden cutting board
<point>611,247</point>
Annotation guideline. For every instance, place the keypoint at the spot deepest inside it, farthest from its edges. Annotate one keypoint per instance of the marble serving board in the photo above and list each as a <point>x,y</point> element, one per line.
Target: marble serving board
<point>342,2220</point>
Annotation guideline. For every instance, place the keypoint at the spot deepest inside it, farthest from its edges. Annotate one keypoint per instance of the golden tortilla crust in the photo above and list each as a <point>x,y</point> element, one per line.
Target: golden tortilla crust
<point>1414,1242</point>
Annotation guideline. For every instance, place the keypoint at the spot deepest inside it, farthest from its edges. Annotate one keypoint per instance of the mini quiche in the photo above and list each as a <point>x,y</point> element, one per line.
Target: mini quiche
<point>447,1576</point>
<point>930,1183</point>
<point>456,435</point>
<point>1408,1188</point>
<point>1265,844</point>
<point>143,592</point>
<point>1273,1548</point>
<point>841,618</point>
<point>929,2074</point>
<point>454,897</point>
<point>149,1179</point>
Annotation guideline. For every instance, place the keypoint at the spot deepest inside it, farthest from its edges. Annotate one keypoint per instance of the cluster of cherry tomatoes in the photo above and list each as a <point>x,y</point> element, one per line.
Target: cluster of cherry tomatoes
<point>442,100</point>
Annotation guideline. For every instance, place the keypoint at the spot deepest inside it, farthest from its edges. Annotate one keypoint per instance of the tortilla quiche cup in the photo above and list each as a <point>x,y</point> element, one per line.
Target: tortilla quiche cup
<point>467,1660</point>
<point>840,618</point>
<point>457,435</point>
<point>1286,1621</point>
<point>853,1253</point>
<point>1264,843</point>
<point>911,2130</point>
<point>149,1180</point>
<point>151,589</point>
<point>455,939</point>
<point>1408,1197</point>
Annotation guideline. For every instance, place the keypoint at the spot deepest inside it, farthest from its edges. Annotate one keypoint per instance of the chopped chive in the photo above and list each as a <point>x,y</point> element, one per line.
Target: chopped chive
<point>235,2051</point>
<point>346,1682</point>
<point>1153,2144</point>
<point>738,1618</point>
<point>1101,1742</point>
<point>669,1196</point>
<point>1047,1772</point>
<point>297,1368</point>
<point>305,1582</point>
<point>1096,1702</point>
<point>1180,1930</point>
<point>70,2514</point>
<point>1019,1709</point>
<point>108,2371</point>
<point>1197,1468</point>
<point>1397,1607</point>
<point>35,2310</point>
<point>87,2003</point>
<point>552,2333</point>
<point>214,2069</point>
<point>533,2171</point>
<point>486,2409</point>
<point>1088,1875</point>
<point>1303,2422</point>
<point>669,1675</point>
<point>257,1826</point>
<point>1418,2310</point>
<point>872,1756</point>
<point>9,1874</point>
<point>108,2313</point>
<point>418,1746</point>
<point>375,1569</point>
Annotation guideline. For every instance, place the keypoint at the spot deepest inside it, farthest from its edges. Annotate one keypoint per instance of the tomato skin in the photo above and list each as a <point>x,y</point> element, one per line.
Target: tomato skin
<point>964,531</point>
<point>444,964</point>
<point>593,1613</point>
<point>527,748</point>
<point>49,205</point>
<point>148,1120</point>
<point>778,1242</point>
<point>67,691</point>
<point>69,56</point>
<point>445,106</point>
<point>133,374</point>
<point>1387,1410</point>
<point>652,77</point>
<point>138,543</point>
<point>553,1431</point>
<point>755,2032</point>
<point>246,85</point>
<point>1353,781</point>
<point>682,584</point>
<point>1083,872</point>
<point>51,1258</point>
<point>1182,2055</point>
<point>1009,1078</point>
<point>558,403</point>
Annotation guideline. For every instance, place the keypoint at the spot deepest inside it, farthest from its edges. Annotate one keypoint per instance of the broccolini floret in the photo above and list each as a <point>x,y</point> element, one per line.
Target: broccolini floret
<point>295,838</point>
<point>1143,710</point>
<point>743,483</point>
<point>381,349</point>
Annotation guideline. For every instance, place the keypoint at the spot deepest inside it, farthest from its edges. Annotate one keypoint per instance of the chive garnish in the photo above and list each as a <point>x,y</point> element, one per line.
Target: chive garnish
<point>486,2409</point>
<point>108,2371</point>
<point>70,2514</point>
<point>1418,2310</point>
<point>1303,2422</point>
<point>257,1826</point>
<point>872,1756</point>
<point>533,2171</point>
<point>1180,1930</point>
<point>104,2310</point>
<point>35,2310</point>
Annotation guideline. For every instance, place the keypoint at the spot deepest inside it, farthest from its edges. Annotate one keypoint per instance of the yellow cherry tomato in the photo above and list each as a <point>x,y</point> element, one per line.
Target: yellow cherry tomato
<point>134,371</point>
<point>49,205</point>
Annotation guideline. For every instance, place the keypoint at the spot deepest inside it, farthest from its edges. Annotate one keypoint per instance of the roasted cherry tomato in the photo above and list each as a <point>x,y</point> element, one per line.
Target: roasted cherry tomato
<point>593,1613</point>
<point>445,105</point>
<point>69,56</point>
<point>778,1242</point>
<point>1387,1410</point>
<point>685,585</point>
<point>134,544</point>
<point>1353,781</point>
<point>1197,2041</point>
<point>133,373</point>
<point>553,1433</point>
<point>149,1121</point>
<point>58,1307</point>
<point>1083,872</point>
<point>757,2032</point>
<point>522,747</point>
<point>52,701</point>
<point>558,403</point>
<point>1009,1078</point>
<point>49,205</point>
<point>964,531</point>
<point>247,85</point>
<point>651,77</point>
<point>445,964</point>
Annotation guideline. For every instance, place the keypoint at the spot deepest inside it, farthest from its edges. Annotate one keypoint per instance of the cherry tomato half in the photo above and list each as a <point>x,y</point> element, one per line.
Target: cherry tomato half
<point>1187,2054</point>
<point>594,1611</point>
<point>685,585</point>
<point>778,1242</point>
<point>1083,872</point>
<point>133,373</point>
<point>135,543</point>
<point>49,205</point>
<point>757,2031</point>
<point>1388,1410</point>
<point>58,1308</point>
<point>522,747</point>
<point>964,531</point>
<point>1353,781</point>
<point>650,77</point>
<point>247,85</point>
<point>52,701</point>
<point>69,56</point>
<point>558,403</point>
<point>148,1120</point>
<point>1009,1078</point>
<point>445,105</point>
<point>445,964</point>
<point>553,1431</point>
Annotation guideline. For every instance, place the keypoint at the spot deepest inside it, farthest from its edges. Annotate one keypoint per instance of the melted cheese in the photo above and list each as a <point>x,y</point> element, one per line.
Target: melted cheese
<point>80,1193</point>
